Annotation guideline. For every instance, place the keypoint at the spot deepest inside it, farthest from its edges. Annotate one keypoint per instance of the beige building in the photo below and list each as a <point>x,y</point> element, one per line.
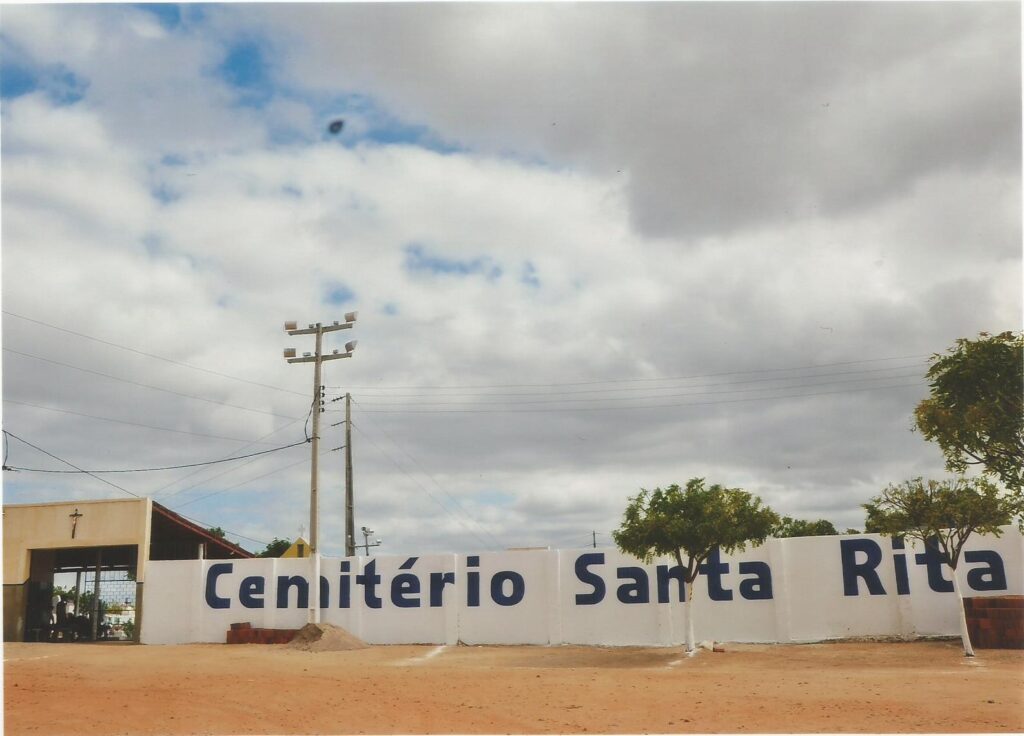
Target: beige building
<point>115,538</point>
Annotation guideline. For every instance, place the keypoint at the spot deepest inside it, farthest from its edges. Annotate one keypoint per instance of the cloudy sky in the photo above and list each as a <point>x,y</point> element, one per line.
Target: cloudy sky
<point>594,248</point>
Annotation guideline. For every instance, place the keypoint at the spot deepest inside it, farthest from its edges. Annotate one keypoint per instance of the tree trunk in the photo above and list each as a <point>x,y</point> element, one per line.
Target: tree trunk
<point>688,618</point>
<point>965,636</point>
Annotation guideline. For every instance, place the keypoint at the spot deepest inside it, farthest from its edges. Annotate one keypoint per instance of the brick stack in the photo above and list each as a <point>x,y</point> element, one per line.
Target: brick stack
<point>246,634</point>
<point>996,622</point>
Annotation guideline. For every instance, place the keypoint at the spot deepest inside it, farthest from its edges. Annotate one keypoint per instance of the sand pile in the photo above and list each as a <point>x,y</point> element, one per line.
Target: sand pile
<point>325,638</point>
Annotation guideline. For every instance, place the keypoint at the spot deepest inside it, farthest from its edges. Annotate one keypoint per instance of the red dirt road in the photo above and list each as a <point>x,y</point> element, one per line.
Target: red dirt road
<point>253,689</point>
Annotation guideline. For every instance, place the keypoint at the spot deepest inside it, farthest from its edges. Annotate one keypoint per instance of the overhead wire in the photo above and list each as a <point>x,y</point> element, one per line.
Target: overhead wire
<point>432,479</point>
<point>559,400</point>
<point>67,462</point>
<point>516,410</point>
<point>125,421</point>
<point>143,385</point>
<point>418,484</point>
<point>165,467</point>
<point>630,380</point>
<point>150,355</point>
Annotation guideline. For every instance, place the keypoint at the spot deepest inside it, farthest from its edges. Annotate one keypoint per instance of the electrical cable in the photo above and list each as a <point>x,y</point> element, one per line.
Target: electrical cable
<point>647,388</point>
<point>629,408</point>
<point>150,355</point>
<point>419,485</point>
<point>630,380</point>
<point>167,467</point>
<point>556,400</point>
<point>50,454</point>
<point>124,421</point>
<point>142,385</point>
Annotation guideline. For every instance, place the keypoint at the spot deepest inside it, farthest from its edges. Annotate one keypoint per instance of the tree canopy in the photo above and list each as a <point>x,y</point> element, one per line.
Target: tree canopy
<point>217,532</point>
<point>693,521</point>
<point>976,408</point>
<point>790,527</point>
<point>942,513</point>
<point>275,548</point>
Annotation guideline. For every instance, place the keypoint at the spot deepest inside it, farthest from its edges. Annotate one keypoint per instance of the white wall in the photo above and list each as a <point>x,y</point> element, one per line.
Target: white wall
<point>787,590</point>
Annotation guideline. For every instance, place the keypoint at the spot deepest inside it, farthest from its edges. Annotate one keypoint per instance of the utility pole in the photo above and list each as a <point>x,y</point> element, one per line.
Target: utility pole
<point>317,358</point>
<point>350,534</point>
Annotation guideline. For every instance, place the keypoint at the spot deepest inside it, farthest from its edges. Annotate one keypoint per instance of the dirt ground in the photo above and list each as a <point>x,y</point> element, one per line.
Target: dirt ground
<point>268,689</point>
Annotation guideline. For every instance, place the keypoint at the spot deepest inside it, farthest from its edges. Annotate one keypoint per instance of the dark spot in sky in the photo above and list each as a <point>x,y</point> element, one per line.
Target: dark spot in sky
<point>336,126</point>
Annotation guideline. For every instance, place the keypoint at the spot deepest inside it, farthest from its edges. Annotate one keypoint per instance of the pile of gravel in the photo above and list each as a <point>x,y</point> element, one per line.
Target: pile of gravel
<point>325,638</point>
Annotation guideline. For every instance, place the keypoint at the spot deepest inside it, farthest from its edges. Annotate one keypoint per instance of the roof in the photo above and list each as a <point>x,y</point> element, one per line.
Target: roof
<point>231,549</point>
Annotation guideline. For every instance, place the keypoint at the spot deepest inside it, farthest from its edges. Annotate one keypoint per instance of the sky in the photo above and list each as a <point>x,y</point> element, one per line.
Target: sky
<point>593,247</point>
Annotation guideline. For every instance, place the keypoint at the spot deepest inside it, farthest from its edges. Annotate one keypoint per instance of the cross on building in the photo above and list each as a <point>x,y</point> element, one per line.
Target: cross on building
<point>74,521</point>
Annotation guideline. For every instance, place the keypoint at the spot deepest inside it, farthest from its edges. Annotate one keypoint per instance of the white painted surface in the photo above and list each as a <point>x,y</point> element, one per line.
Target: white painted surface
<point>809,600</point>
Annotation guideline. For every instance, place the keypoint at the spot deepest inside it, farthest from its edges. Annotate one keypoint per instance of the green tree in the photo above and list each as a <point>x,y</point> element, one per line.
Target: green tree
<point>276,548</point>
<point>217,532</point>
<point>790,527</point>
<point>976,412</point>
<point>942,515</point>
<point>692,523</point>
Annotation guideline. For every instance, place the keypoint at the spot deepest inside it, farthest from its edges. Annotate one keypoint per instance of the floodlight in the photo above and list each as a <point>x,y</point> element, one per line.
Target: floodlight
<point>291,326</point>
<point>289,352</point>
<point>350,346</point>
<point>351,316</point>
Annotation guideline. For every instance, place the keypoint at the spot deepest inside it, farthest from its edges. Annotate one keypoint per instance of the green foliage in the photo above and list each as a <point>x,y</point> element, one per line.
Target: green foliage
<point>276,548</point>
<point>944,513</point>
<point>129,629</point>
<point>692,521</point>
<point>790,527</point>
<point>217,532</point>
<point>976,412</point>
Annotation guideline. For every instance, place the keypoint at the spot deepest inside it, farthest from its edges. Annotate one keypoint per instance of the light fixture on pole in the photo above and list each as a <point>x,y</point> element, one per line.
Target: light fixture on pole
<point>366,540</point>
<point>317,358</point>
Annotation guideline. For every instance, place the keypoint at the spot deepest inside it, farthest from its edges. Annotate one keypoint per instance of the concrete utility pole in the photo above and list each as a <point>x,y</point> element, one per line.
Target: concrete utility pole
<point>317,358</point>
<point>350,533</point>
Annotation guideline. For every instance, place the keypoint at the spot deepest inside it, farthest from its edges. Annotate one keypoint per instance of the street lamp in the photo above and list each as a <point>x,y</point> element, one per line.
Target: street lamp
<point>366,540</point>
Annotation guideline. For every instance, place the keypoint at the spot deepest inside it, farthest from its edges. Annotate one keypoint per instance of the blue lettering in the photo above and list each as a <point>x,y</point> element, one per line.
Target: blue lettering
<point>250,592</point>
<point>714,568</point>
<point>215,571</point>
<point>583,574</point>
<point>285,583</point>
<point>899,562</point>
<point>498,588</point>
<point>638,591</point>
<point>992,577</point>
<point>758,588</point>
<point>472,582</point>
<point>848,549</point>
<point>403,588</point>
<point>934,561</point>
<point>345,586</point>
<point>369,579</point>
<point>664,575</point>
<point>437,582</point>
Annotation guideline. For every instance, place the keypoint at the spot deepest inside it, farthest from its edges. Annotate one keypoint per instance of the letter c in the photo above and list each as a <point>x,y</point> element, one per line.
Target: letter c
<point>215,571</point>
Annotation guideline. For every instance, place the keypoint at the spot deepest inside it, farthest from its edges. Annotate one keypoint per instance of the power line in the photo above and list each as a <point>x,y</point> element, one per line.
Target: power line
<point>150,355</point>
<point>630,380</point>
<point>166,467</point>
<point>647,406</point>
<point>223,472</point>
<point>655,388</point>
<point>434,481</point>
<point>143,385</point>
<point>66,462</point>
<point>557,400</point>
<point>418,484</point>
<point>124,421</point>
<point>245,482</point>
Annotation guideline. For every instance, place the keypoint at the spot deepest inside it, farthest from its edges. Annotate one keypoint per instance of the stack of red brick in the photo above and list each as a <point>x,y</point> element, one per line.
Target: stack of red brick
<point>246,634</point>
<point>996,622</point>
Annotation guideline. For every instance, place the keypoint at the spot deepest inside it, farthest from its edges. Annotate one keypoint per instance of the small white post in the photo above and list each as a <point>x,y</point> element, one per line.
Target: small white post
<point>965,636</point>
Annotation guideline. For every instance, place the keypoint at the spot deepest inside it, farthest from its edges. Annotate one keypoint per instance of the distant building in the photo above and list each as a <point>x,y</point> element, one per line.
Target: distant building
<point>117,537</point>
<point>299,548</point>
